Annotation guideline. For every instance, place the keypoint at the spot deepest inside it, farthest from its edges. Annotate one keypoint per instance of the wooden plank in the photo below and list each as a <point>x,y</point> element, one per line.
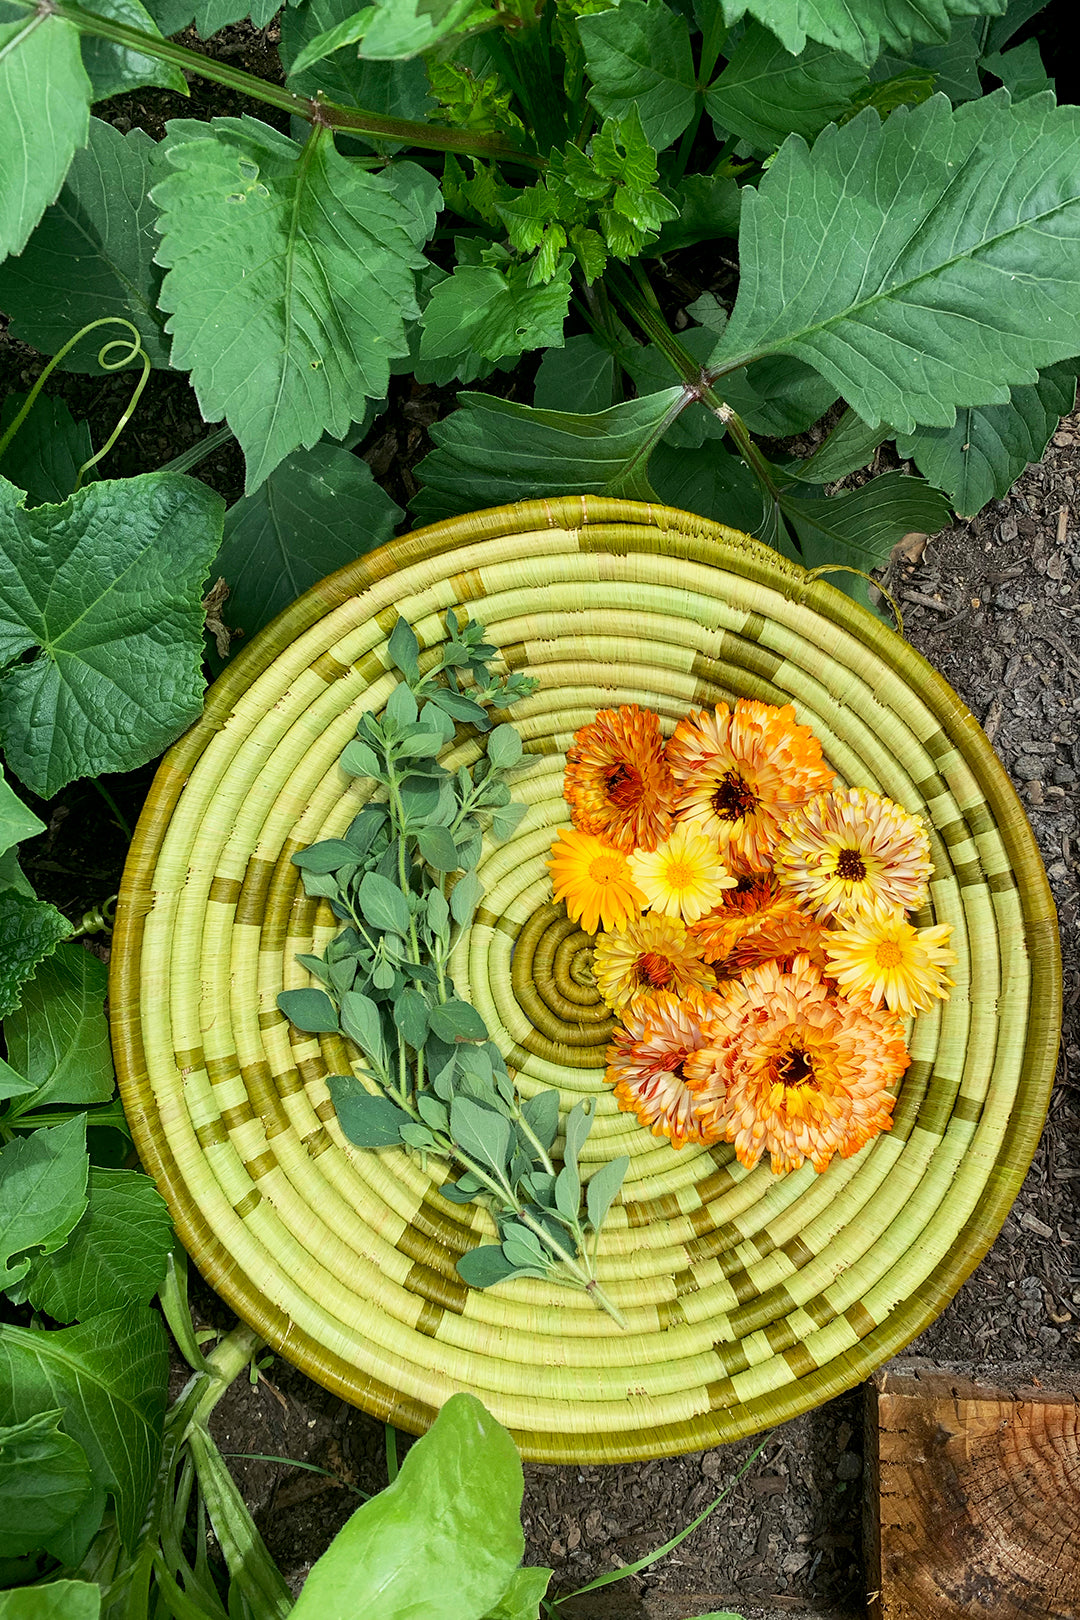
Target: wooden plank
<point>973,1499</point>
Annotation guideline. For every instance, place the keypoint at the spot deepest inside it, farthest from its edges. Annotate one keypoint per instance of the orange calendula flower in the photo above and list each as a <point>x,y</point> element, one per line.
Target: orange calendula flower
<point>618,783</point>
<point>741,772</point>
<point>651,955</point>
<point>647,1059</point>
<point>781,938</point>
<point>884,959</point>
<point>850,853</point>
<point>594,880</point>
<point>794,1071</point>
<point>756,899</point>
<point>684,877</point>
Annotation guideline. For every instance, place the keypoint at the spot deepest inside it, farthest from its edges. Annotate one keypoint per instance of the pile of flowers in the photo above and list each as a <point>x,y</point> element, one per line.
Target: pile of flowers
<point>751,929</point>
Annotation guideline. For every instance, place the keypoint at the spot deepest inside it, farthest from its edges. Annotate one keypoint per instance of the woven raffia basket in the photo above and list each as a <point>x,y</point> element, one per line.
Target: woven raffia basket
<point>750,1297</point>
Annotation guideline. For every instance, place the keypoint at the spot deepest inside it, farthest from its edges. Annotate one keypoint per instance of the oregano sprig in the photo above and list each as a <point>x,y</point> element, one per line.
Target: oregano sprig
<point>403,882</point>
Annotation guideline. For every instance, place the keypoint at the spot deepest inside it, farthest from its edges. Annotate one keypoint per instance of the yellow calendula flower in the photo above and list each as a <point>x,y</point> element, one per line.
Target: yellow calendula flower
<point>883,959</point>
<point>652,954</point>
<point>594,880</point>
<point>684,877</point>
<point>852,852</point>
<point>618,783</point>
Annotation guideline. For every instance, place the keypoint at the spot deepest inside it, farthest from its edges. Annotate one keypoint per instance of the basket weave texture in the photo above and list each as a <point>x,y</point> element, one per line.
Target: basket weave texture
<point>750,1297</point>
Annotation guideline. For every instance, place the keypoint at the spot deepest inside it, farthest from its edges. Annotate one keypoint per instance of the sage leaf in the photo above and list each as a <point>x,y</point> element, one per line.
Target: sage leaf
<point>310,1010</point>
<point>434,1113</point>
<point>45,99</point>
<point>404,650</point>
<point>454,1020</point>
<point>44,1481</point>
<point>448,1527</point>
<point>484,1266</point>
<point>602,1187</point>
<point>568,1192</point>
<point>438,848</point>
<point>362,1023</point>
<point>542,1113</point>
<point>114,1256</point>
<point>383,904</point>
<point>369,1121</point>
<point>578,1125</point>
<point>42,1193</point>
<point>411,1016</point>
<point>465,896</point>
<point>482,1133</point>
<point>104,590</point>
<point>504,747</point>
<point>417,1136</point>
<point>59,1036</point>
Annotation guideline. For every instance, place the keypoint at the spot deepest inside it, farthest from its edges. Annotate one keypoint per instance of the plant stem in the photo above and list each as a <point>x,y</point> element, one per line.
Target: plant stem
<point>313,110</point>
<point>198,452</point>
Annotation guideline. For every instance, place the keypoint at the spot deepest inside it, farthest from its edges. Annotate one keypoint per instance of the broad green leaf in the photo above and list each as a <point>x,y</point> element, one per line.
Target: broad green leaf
<point>709,207</point>
<point>44,1481</point>
<point>849,446</point>
<point>369,1121</point>
<point>59,1037</point>
<point>404,650</point>
<point>920,264</point>
<point>859,529</point>
<point>438,848</point>
<point>42,1193</point>
<point>58,1600</point>
<point>1020,70</point>
<point>391,89</point>
<point>582,371</point>
<point>859,28</point>
<point>980,458</point>
<point>998,30</point>
<point>400,28</point>
<point>329,855</point>
<point>114,1256</point>
<point>639,55</point>
<point>485,1265</point>
<point>45,455</point>
<point>44,118</point>
<point>483,1134</point>
<point>310,1010</point>
<point>12,1084</point>
<point>444,1539</point>
<point>92,255</point>
<point>361,1022</point>
<point>318,510</point>
<point>602,1188</point>
<point>494,450</point>
<point>481,310</point>
<point>107,589</point>
<point>114,69</point>
<point>289,321</point>
<point>521,1600</point>
<point>504,747</point>
<point>209,16</point>
<point>777,396</point>
<point>465,897</point>
<point>765,93</point>
<point>16,821</point>
<point>411,1016</point>
<point>542,1113</point>
<point>30,930</point>
<point>349,31</point>
<point>383,904</point>
<point>954,63</point>
<point>456,1020</point>
<point>652,371</point>
<point>108,1375</point>
<point>710,482</point>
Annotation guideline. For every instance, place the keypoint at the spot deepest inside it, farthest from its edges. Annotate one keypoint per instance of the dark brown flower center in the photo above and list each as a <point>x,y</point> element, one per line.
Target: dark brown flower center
<point>851,866</point>
<point>794,1068</point>
<point>623,785</point>
<point>734,798</point>
<point>654,970</point>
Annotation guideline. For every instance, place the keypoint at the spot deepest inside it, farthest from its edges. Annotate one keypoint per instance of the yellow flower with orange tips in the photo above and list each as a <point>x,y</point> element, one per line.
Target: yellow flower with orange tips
<point>684,877</point>
<point>794,1071</point>
<point>594,880</point>
<point>849,853</point>
<point>882,958</point>
<point>757,898</point>
<point>618,783</point>
<point>740,774</point>
<point>647,1062</point>
<point>650,955</point>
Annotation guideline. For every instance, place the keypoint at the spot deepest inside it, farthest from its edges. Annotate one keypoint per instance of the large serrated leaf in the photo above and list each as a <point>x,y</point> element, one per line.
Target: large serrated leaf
<point>44,457</point>
<point>980,458</point>
<point>859,28</point>
<point>290,279</point>
<point>57,1600</point>
<point>44,118</point>
<point>494,313</point>
<point>114,1256</point>
<point>42,1193</point>
<point>107,589</point>
<point>318,510</point>
<point>92,255</point>
<point>114,68</point>
<point>638,54</point>
<point>44,1481</point>
<point>59,1037</point>
<point>29,931</point>
<point>765,93</point>
<point>493,450</point>
<point>108,1375</point>
<point>920,264</point>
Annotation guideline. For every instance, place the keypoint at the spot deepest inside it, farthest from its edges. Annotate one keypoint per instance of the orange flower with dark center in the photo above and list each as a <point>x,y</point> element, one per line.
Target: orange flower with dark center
<point>649,1062</point>
<point>617,783</point>
<point>755,900</point>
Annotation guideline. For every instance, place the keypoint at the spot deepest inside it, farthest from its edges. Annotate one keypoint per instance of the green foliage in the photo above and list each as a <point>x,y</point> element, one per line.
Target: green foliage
<point>44,1482</point>
<point>59,1039</point>
<point>45,99</point>
<point>862,30</point>
<point>639,56</point>
<point>42,1194</point>
<point>45,458</point>
<point>30,930</point>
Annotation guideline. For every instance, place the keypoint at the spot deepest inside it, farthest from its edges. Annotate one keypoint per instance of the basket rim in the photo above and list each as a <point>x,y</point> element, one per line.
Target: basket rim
<point>763,564</point>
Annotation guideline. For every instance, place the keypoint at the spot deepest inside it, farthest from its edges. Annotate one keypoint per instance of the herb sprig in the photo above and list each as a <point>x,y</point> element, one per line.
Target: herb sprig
<point>403,882</point>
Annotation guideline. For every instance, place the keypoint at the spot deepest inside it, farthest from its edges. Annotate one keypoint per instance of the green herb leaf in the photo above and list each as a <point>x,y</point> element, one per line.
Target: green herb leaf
<point>401,710</point>
<point>59,1037</point>
<point>391,89</point>
<point>494,313</point>
<point>709,207</point>
<point>568,1192</point>
<point>710,482</point>
<point>506,820</point>
<point>438,915</point>
<point>30,930</point>
<point>435,1113</point>
<point>485,1266</point>
<point>493,450</point>
<point>109,1376</point>
<point>45,455</point>
<point>639,55</point>
<point>542,1113</point>
<point>383,904</point>
<point>16,821</point>
<point>360,760</point>
<point>583,370</point>
<point>417,1136</point>
<point>411,1016</point>
<point>270,347</point>
<point>368,1121</point>
<point>521,1600</point>
<point>504,747</point>
<point>951,258</point>
<point>980,458</point>
<point>318,510</point>
<point>44,1481</point>
<point>602,1188</point>
<point>310,1010</point>
<point>57,1600</point>
<point>465,896</point>
<point>404,650</point>
<point>106,588</point>
<point>362,1023</point>
<point>44,117</point>
<point>114,1256</point>
<point>327,856</point>
<point>42,1193</point>
<point>765,93</point>
<point>481,1132</point>
<point>454,1020</point>
<point>578,1125</point>
<point>448,1527</point>
<point>438,848</point>
<point>115,69</point>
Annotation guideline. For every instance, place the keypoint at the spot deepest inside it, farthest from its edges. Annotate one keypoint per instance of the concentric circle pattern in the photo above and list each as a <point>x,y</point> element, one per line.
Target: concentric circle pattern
<point>749,1297</point>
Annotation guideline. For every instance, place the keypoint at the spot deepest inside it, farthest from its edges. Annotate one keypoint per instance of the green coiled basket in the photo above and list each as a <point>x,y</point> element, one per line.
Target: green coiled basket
<point>750,1298</point>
